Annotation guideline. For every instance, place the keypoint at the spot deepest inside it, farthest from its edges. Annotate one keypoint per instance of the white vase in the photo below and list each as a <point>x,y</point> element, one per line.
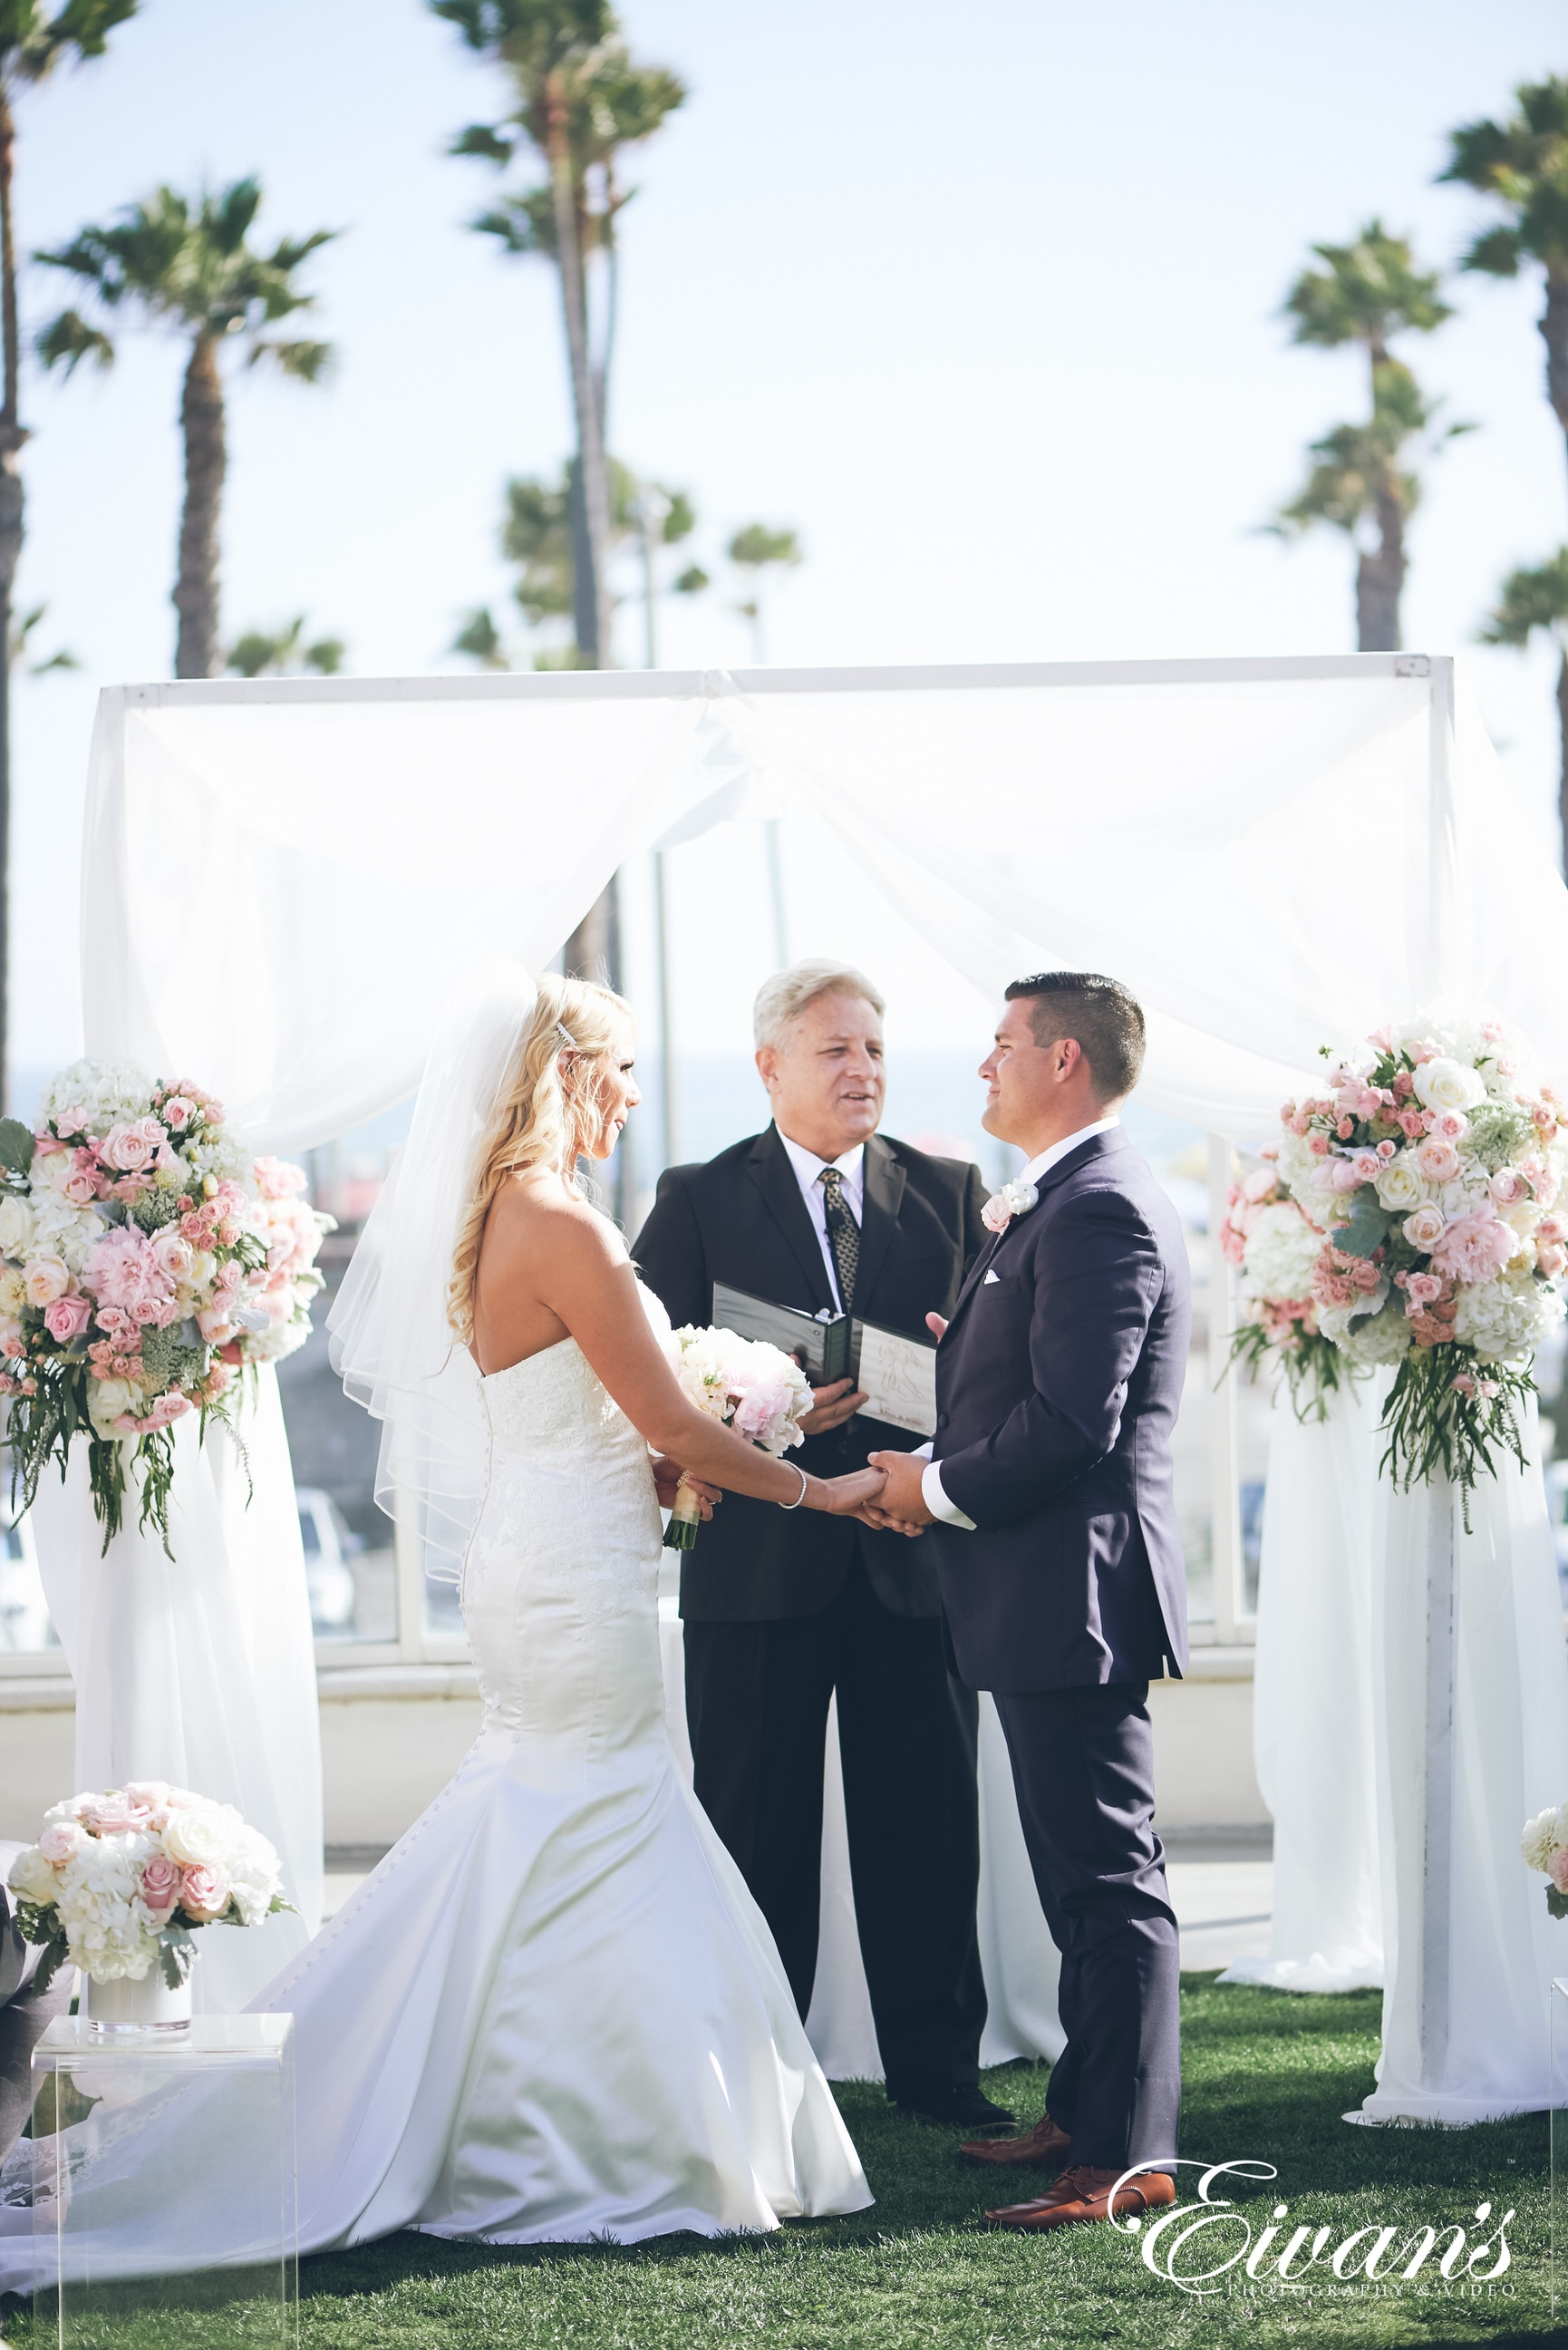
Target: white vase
<point>126,2007</point>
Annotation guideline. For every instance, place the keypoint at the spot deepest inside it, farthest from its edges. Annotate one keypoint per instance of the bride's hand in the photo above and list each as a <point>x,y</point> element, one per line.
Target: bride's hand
<point>667,1475</point>
<point>846,1497</point>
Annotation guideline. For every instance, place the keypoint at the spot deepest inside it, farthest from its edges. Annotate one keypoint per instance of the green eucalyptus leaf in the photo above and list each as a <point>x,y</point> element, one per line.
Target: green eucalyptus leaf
<point>17,1145</point>
<point>1367,1230</point>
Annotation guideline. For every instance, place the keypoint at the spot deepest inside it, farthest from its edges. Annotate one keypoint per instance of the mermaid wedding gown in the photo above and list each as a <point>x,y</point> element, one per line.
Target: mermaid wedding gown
<point>554,2011</point>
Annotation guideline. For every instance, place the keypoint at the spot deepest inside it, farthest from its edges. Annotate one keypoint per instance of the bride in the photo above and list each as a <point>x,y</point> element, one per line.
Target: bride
<point>554,2010</point>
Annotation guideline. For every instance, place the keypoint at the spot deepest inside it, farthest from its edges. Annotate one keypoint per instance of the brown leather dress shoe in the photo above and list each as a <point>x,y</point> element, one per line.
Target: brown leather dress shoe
<point>1083,2193</point>
<point>1045,2144</point>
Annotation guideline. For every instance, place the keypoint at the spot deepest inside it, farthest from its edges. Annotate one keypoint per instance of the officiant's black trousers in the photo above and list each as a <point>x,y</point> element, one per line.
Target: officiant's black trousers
<point>757,1703</point>
<point>1083,1765</point>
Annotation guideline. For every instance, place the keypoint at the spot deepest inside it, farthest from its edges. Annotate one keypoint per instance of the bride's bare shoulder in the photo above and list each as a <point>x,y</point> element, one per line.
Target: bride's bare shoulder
<point>534,1211</point>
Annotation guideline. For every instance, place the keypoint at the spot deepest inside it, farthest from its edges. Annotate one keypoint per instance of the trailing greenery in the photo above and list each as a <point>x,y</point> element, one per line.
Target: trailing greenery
<point>1314,1368</point>
<point>1267,2076</point>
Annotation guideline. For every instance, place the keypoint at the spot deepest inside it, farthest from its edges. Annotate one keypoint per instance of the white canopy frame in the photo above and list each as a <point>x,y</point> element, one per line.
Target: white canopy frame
<point>1274,853</point>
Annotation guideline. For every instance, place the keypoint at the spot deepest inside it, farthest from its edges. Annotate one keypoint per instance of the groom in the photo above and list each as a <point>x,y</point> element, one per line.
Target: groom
<point>1058,1381</point>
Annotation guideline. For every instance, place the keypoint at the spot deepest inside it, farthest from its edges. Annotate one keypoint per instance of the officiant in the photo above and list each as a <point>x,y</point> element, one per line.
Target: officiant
<point>780,1611</point>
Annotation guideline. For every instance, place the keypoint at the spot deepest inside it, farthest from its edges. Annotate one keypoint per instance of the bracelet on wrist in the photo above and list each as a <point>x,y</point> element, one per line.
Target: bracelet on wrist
<point>800,1497</point>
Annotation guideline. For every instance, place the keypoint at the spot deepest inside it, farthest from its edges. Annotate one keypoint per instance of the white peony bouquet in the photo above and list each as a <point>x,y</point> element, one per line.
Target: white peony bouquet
<point>1275,1245</point>
<point>1433,1167</point>
<point>118,1883</point>
<point>758,1389</point>
<point>145,1256</point>
<point>1544,1845</point>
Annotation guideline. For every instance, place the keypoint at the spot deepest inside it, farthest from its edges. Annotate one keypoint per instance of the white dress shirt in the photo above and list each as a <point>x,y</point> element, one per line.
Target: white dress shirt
<point>931,1490</point>
<point>807,1167</point>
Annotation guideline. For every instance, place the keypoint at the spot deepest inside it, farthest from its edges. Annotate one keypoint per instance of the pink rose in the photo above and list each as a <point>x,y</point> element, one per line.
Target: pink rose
<point>1257,1185</point>
<point>1411,1124</point>
<point>1425,1228</point>
<point>178,1113</point>
<point>1475,1246</point>
<point>1449,1125</point>
<point>1367,1166</point>
<point>45,1279</point>
<point>204,1890</point>
<point>1557,1869</point>
<point>278,1179</point>
<point>67,1318</point>
<point>117,1814</point>
<point>1438,1161</point>
<point>82,1186</point>
<point>130,1147</point>
<point>1233,1243</point>
<point>60,1840</point>
<point>160,1886</point>
<point>173,1256</point>
<point>1507,1187</point>
<point>1551,1259</point>
<point>1424,1288</point>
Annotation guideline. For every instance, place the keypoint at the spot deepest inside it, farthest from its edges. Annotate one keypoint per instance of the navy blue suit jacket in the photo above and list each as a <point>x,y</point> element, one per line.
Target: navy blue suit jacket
<point>1058,1384</point>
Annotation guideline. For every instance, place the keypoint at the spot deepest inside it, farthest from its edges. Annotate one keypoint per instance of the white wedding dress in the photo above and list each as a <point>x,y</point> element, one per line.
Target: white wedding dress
<point>554,2011</point>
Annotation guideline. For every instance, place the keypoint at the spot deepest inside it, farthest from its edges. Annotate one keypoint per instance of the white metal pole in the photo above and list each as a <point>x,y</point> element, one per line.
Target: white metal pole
<point>1224,1490</point>
<point>1437,1784</point>
<point>669,1094</point>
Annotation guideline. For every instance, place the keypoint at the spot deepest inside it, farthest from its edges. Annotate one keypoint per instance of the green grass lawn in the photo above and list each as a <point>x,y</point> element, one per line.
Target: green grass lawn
<point>1267,2078</point>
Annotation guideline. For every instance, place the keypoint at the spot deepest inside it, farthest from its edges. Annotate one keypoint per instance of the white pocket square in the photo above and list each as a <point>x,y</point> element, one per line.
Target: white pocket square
<point>990,1277</point>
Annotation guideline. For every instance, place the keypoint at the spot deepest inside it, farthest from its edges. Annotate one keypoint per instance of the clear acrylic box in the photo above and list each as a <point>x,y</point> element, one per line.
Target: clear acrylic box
<point>164,2183</point>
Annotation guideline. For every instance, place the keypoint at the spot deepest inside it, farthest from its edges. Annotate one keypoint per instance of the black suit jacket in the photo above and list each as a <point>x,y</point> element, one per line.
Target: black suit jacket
<point>740,1220</point>
<point>1058,1384</point>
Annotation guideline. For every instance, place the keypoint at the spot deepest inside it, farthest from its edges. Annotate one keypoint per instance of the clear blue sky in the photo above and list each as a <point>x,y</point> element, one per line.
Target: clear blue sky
<point>984,302</point>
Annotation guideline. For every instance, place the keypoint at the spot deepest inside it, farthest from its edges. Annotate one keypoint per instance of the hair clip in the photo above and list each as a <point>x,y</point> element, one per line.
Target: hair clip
<point>566,1037</point>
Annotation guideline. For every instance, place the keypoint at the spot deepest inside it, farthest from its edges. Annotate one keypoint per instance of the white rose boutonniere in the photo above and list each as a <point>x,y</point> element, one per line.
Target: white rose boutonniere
<point>1013,1200</point>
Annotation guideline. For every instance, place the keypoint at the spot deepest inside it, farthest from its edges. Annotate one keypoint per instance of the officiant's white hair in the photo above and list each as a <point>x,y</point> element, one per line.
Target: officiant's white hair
<point>781,999</point>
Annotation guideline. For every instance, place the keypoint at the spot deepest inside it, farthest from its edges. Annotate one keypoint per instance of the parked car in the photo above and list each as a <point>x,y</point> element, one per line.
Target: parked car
<point>329,1543</point>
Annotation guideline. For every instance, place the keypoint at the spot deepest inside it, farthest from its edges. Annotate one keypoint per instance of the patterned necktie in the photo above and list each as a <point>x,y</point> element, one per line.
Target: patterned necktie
<point>843,1234</point>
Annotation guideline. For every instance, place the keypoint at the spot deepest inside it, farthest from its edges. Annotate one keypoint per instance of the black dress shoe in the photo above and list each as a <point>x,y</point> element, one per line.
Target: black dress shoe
<point>969,2109</point>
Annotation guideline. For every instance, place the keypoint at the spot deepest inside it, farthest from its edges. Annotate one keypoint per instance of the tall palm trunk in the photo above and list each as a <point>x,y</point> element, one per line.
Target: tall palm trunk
<point>1379,578</point>
<point>1555,334</point>
<point>592,593</point>
<point>11,439</point>
<point>196,589</point>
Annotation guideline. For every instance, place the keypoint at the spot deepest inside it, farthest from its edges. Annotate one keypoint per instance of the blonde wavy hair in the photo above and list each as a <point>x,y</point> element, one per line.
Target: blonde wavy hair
<point>550,1112</point>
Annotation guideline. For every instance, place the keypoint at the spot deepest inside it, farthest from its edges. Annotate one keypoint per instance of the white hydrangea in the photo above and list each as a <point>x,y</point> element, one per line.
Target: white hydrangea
<point>1282,1249</point>
<point>1297,1166</point>
<point>107,1927</point>
<point>63,1229</point>
<point>1505,1320</point>
<point>107,1090</point>
<point>1544,1836</point>
<point>1380,1337</point>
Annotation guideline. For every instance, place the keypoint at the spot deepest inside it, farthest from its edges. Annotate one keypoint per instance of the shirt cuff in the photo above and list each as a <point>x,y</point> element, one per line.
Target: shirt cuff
<point>937,1502</point>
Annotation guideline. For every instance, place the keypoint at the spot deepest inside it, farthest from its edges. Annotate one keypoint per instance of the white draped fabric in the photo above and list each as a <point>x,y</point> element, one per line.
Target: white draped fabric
<point>1273,854</point>
<point>1314,1733</point>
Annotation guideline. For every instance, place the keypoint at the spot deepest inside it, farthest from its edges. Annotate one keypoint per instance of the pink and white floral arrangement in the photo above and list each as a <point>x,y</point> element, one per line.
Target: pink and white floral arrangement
<point>118,1883</point>
<point>146,1257</point>
<point>1433,1166</point>
<point>1544,1845</point>
<point>1274,1245</point>
<point>758,1389</point>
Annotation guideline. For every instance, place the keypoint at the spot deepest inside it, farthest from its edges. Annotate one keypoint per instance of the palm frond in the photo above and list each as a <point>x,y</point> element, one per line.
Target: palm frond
<point>306,362</point>
<point>69,339</point>
<point>1532,600</point>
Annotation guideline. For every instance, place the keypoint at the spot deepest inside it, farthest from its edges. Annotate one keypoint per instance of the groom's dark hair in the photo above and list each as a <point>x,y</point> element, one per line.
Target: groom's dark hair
<point>1103,1019</point>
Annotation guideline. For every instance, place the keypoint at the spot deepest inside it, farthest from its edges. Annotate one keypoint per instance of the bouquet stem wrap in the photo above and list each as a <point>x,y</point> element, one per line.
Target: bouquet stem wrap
<point>685,1518</point>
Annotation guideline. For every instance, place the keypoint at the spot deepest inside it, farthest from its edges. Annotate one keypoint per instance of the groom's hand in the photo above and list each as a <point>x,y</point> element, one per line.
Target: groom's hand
<point>901,1505</point>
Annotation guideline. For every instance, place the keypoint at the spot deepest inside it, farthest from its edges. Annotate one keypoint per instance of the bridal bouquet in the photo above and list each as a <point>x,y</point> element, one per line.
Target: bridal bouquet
<point>759,1389</point>
<point>1433,1168</point>
<point>118,1883</point>
<point>1275,1246</point>
<point>145,1256</point>
<point>1544,1845</point>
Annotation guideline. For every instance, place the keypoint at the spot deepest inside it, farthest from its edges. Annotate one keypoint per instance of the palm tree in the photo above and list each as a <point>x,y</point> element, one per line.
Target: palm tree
<point>537,534</point>
<point>191,268</point>
<point>755,552</point>
<point>1536,603</point>
<point>1367,291</point>
<point>21,642</point>
<point>283,653</point>
<point>33,42</point>
<point>1522,164</point>
<point>580,101</point>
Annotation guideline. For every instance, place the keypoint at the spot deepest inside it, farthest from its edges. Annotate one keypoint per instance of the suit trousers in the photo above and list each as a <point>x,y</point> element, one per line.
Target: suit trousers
<point>1083,1765</point>
<point>756,1703</point>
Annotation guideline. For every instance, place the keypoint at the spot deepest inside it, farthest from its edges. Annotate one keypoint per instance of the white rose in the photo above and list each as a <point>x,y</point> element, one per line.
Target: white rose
<point>15,1226</point>
<point>1540,1840</point>
<point>32,1876</point>
<point>198,1835</point>
<point>107,1399</point>
<point>1443,1084</point>
<point>1399,1188</point>
<point>13,1291</point>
